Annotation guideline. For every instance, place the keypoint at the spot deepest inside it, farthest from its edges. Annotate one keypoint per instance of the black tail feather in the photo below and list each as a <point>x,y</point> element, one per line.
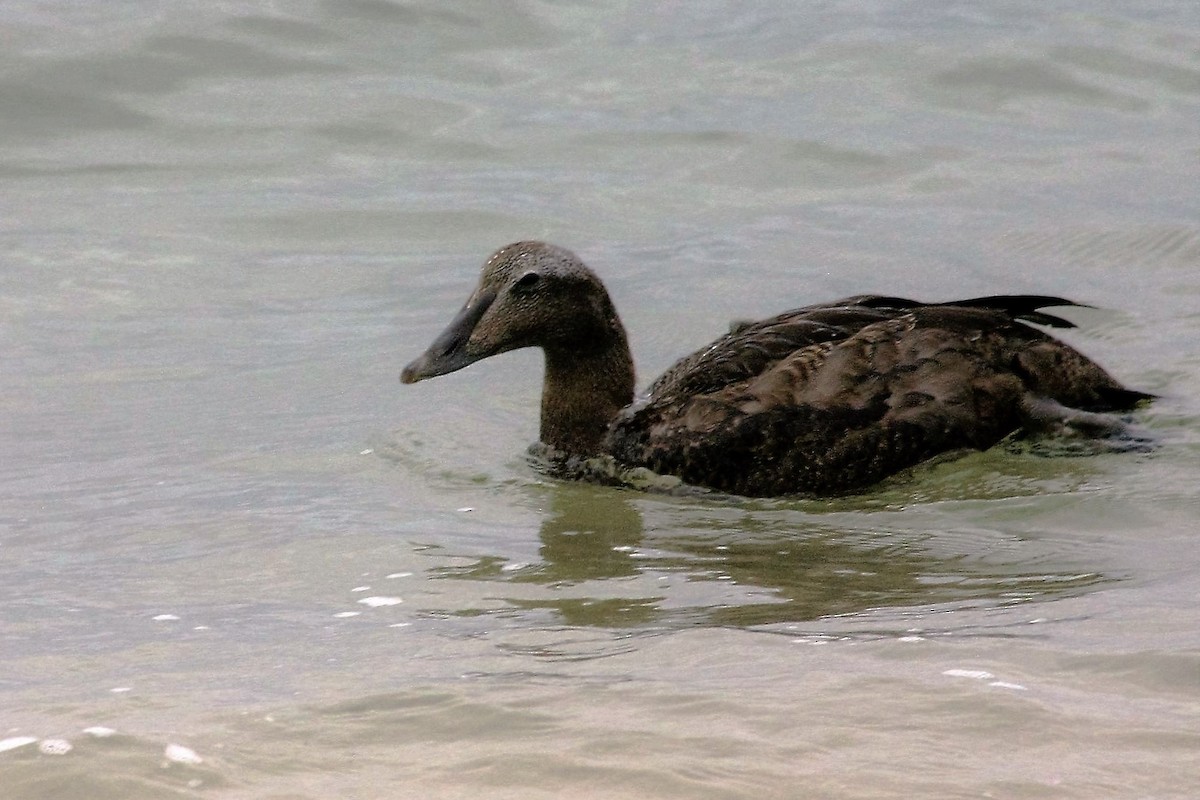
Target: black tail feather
<point>1121,399</point>
<point>1019,306</point>
<point>1024,306</point>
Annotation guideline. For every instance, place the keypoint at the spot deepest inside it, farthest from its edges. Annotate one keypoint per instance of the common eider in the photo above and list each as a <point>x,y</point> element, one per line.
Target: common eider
<point>822,400</point>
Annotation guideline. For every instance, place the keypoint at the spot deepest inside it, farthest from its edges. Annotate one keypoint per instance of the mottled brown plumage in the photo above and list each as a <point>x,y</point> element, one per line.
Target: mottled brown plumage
<point>821,400</point>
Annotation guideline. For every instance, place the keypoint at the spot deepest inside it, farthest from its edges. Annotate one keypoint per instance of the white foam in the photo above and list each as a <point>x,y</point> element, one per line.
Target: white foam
<point>344,614</point>
<point>181,755</point>
<point>54,747</point>
<point>165,618</point>
<point>100,732</point>
<point>13,742</point>
<point>376,601</point>
<point>977,674</point>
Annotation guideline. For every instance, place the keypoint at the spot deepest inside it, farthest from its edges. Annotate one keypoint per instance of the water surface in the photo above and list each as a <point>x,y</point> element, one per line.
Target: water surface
<point>241,561</point>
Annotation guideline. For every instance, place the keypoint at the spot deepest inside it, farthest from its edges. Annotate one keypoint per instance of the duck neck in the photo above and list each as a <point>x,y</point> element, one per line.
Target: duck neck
<point>584,390</point>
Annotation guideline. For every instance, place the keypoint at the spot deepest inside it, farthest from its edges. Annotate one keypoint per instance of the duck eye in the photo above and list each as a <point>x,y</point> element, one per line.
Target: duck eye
<point>527,281</point>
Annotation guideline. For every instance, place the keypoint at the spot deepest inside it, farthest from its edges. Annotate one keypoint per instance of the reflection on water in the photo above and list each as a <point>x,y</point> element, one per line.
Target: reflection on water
<point>771,568</point>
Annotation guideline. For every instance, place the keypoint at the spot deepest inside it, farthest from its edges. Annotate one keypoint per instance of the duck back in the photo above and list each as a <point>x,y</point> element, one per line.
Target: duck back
<point>832,398</point>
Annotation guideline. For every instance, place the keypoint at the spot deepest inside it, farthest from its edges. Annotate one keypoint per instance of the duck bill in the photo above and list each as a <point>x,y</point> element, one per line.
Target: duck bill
<point>451,350</point>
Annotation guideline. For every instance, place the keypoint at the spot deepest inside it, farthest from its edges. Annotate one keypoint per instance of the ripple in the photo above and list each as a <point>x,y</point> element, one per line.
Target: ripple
<point>995,82</point>
<point>1175,245</point>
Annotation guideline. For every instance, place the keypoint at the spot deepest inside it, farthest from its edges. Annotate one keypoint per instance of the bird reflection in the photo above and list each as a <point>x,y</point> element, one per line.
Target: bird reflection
<point>725,564</point>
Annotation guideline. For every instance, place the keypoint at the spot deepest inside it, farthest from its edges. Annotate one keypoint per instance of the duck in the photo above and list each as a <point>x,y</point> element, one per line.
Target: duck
<point>823,400</point>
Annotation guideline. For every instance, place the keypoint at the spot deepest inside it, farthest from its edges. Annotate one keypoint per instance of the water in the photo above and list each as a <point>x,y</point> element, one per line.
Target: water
<point>241,561</point>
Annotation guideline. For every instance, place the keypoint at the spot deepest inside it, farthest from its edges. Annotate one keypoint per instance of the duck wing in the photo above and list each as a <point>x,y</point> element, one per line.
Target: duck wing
<point>832,398</point>
<point>750,349</point>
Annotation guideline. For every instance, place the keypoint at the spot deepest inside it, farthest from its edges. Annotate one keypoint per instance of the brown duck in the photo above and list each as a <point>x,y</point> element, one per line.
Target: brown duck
<point>822,400</point>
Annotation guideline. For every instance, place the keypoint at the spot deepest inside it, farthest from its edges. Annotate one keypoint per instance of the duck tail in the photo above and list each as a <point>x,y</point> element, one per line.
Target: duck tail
<point>1118,398</point>
<point>1024,306</point>
<point>1018,306</point>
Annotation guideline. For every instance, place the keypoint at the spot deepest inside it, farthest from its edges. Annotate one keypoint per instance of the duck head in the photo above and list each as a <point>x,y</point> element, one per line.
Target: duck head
<point>530,294</point>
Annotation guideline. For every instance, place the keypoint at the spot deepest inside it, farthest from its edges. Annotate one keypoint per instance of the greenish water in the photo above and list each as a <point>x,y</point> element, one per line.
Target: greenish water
<point>241,560</point>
